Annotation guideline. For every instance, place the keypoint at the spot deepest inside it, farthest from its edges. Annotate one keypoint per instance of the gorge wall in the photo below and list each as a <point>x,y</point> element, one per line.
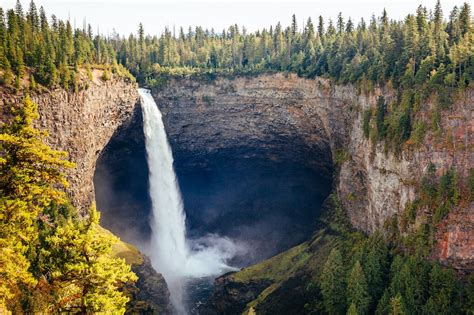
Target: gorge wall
<point>308,124</point>
<point>313,123</point>
<point>82,124</point>
<point>252,155</point>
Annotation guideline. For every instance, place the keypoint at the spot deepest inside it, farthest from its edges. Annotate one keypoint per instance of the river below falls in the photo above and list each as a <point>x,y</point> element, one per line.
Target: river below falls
<point>198,291</point>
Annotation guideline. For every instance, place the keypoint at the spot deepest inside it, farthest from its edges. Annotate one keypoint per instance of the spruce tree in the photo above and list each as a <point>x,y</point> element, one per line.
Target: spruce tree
<point>357,290</point>
<point>352,310</point>
<point>465,20</point>
<point>333,284</point>
<point>320,27</point>
<point>396,305</point>
<point>443,292</point>
<point>376,266</point>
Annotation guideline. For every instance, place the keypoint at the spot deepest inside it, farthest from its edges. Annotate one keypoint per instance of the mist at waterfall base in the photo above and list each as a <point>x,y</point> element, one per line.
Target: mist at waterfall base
<point>176,257</point>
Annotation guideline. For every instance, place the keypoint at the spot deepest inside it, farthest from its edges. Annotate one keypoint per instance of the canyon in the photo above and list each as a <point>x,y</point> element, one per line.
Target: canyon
<point>293,136</point>
<point>311,122</point>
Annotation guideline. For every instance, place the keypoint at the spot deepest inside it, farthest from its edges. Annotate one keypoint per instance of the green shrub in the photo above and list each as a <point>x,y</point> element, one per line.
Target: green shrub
<point>106,75</point>
<point>342,155</point>
<point>366,122</point>
<point>418,133</point>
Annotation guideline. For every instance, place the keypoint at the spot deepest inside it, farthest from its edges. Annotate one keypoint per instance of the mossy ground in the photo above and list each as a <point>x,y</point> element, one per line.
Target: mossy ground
<point>124,250</point>
<point>307,257</point>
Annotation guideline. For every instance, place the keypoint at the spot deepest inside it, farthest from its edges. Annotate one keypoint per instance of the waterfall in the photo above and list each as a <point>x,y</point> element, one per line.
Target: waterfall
<point>171,253</point>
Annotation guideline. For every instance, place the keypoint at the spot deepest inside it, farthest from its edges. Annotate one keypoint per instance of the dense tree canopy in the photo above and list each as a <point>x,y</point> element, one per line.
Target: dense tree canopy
<point>46,50</point>
<point>373,277</point>
<point>421,49</point>
<point>50,260</point>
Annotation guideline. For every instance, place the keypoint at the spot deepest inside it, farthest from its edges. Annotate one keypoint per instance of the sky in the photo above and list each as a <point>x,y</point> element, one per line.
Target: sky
<point>124,16</point>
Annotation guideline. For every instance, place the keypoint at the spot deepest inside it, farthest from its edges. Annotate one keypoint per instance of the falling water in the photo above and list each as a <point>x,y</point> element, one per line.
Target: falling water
<point>169,250</point>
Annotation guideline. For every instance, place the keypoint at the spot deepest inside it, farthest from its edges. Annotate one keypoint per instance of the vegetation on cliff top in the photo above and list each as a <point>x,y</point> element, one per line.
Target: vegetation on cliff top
<point>50,259</point>
<point>422,50</point>
<point>420,57</point>
<point>36,51</point>
<point>347,272</point>
<point>423,56</point>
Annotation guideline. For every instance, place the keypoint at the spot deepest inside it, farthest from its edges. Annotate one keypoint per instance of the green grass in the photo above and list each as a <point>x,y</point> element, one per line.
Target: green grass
<point>307,257</point>
<point>124,250</point>
<point>276,268</point>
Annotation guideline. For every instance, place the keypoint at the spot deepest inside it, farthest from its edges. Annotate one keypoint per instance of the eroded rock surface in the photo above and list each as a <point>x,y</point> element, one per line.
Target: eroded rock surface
<point>81,124</point>
<point>307,121</point>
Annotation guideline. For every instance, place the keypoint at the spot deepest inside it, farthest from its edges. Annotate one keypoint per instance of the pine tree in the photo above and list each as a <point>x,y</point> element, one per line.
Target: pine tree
<point>443,292</point>
<point>82,270</point>
<point>437,18</point>
<point>352,310</point>
<point>3,30</point>
<point>383,305</point>
<point>294,26</point>
<point>396,306</point>
<point>349,26</point>
<point>376,266</point>
<point>340,23</point>
<point>7,77</point>
<point>465,22</point>
<point>357,290</point>
<point>468,304</point>
<point>332,284</point>
<point>320,27</point>
<point>64,75</point>
<point>32,16</point>
<point>380,117</point>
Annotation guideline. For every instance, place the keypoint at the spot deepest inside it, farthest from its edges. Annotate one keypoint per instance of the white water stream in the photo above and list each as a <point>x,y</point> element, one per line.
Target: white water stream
<point>171,253</point>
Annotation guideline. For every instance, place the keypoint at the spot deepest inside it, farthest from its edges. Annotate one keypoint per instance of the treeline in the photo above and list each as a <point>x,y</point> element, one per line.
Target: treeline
<point>418,57</point>
<point>48,51</point>
<point>422,48</point>
<point>51,260</point>
<point>389,272</point>
<point>368,277</point>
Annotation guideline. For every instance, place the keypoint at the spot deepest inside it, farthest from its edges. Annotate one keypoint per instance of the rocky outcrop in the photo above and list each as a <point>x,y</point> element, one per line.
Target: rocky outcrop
<point>317,123</point>
<point>374,185</point>
<point>270,115</point>
<point>230,297</point>
<point>152,295</point>
<point>81,124</point>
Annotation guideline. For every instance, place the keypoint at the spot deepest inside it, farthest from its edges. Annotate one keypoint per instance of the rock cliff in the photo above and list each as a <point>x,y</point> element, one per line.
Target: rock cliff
<point>318,123</point>
<point>82,124</point>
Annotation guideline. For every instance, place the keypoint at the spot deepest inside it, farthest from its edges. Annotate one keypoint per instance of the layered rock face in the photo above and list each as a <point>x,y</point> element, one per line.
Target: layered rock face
<point>270,116</point>
<point>306,121</point>
<point>82,124</point>
<point>374,185</point>
<point>253,156</point>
